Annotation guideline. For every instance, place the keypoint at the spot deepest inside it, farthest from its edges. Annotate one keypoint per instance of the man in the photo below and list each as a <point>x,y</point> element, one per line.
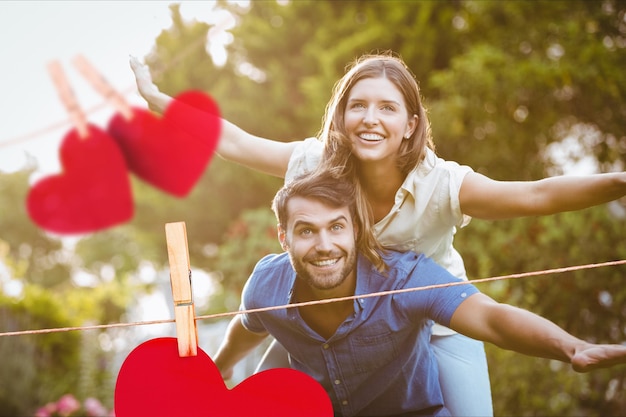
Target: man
<point>372,355</point>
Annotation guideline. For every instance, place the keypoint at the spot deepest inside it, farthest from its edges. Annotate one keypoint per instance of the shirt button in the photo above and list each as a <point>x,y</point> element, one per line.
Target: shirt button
<point>344,402</point>
<point>337,382</point>
<point>325,346</point>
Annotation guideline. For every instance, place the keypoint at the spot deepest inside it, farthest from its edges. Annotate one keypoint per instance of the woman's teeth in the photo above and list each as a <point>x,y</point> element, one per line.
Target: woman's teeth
<point>371,136</point>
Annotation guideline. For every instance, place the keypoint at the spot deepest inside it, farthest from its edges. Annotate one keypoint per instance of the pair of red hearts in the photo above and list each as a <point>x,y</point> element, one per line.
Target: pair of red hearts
<point>93,192</point>
<point>155,381</point>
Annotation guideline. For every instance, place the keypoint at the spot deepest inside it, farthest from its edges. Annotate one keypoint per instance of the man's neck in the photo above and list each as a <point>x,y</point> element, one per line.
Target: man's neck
<point>325,318</point>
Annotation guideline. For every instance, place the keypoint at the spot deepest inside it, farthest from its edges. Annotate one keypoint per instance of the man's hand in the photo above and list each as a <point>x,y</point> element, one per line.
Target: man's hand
<point>512,328</point>
<point>590,357</point>
<point>237,343</point>
<point>227,374</point>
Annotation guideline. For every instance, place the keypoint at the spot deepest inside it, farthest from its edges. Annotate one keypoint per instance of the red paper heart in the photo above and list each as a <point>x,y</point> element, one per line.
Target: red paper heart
<point>93,191</point>
<point>155,381</point>
<point>172,152</point>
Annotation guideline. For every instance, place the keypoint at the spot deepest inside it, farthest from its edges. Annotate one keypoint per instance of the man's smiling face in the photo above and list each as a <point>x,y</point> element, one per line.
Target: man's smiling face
<point>321,241</point>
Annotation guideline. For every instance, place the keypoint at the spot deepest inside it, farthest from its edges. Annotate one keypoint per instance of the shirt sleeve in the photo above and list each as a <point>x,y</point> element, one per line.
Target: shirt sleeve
<point>304,158</point>
<point>257,293</point>
<point>250,321</point>
<point>456,175</point>
<point>440,303</point>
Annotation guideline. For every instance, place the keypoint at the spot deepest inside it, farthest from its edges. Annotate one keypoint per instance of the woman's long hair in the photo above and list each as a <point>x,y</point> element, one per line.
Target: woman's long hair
<point>337,155</point>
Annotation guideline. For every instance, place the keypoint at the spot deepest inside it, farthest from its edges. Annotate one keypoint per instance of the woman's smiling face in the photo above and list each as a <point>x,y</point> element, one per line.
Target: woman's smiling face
<point>377,120</point>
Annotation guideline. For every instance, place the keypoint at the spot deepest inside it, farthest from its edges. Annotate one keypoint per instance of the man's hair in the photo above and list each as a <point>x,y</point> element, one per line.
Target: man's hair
<point>334,191</point>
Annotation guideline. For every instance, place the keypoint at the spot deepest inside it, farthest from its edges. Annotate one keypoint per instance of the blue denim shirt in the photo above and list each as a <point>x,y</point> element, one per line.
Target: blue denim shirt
<point>379,361</point>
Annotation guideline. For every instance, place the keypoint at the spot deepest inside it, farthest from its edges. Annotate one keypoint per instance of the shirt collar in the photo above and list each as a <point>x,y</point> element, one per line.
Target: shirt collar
<point>410,183</point>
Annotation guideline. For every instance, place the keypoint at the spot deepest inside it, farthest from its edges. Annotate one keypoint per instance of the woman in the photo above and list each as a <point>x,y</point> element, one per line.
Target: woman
<point>376,130</point>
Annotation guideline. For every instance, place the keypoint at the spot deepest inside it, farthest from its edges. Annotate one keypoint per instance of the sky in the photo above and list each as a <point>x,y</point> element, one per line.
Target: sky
<point>34,33</point>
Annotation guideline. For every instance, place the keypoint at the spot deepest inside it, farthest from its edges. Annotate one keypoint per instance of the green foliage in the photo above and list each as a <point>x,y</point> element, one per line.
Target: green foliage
<point>223,193</point>
<point>514,84</point>
<point>587,303</point>
<point>249,238</point>
<point>41,367</point>
<point>39,253</point>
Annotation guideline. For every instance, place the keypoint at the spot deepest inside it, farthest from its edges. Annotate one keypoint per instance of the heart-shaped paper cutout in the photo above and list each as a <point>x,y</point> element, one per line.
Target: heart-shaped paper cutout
<point>171,152</point>
<point>92,192</point>
<point>155,381</point>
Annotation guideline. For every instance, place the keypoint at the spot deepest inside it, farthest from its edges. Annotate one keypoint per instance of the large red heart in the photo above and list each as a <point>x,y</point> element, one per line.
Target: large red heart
<point>171,152</point>
<point>93,191</point>
<point>155,381</point>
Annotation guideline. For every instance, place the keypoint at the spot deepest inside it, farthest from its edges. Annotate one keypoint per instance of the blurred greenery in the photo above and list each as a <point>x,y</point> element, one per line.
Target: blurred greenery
<point>504,83</point>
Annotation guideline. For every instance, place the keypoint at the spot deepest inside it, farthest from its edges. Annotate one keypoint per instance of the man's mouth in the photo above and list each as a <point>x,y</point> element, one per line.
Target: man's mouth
<point>325,262</point>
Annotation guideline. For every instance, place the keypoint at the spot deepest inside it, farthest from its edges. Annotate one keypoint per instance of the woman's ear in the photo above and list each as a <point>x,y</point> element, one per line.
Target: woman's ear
<point>411,126</point>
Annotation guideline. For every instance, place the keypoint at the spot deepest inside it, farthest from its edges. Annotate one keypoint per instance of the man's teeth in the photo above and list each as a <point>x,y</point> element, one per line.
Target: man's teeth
<point>326,262</point>
<point>371,136</point>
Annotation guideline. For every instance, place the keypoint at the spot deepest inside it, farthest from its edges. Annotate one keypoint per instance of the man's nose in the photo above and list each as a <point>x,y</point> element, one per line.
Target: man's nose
<point>324,242</point>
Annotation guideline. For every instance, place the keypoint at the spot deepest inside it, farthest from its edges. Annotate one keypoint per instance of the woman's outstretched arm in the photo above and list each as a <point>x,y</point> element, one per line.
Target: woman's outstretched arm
<point>484,198</point>
<point>235,144</point>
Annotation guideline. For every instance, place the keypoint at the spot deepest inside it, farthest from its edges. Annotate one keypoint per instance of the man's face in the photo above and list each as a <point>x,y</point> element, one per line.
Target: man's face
<point>321,242</point>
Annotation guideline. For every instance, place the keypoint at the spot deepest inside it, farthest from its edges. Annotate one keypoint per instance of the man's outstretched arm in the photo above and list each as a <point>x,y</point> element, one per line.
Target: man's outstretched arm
<point>237,344</point>
<point>512,328</point>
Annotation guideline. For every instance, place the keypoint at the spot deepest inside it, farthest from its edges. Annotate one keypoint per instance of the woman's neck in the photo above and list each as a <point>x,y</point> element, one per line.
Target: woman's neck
<point>380,184</point>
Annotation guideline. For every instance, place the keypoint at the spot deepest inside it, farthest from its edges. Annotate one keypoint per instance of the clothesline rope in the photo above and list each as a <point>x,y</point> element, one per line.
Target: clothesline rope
<point>126,92</point>
<point>326,301</point>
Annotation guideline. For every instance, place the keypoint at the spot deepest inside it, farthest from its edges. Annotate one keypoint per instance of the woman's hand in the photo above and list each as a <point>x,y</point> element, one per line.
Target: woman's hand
<point>146,87</point>
<point>235,145</point>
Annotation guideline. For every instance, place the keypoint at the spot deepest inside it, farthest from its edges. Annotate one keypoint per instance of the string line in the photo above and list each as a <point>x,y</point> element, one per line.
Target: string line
<point>325,301</point>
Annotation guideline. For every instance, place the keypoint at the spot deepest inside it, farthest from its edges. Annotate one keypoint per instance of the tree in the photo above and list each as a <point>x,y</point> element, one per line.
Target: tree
<point>40,269</point>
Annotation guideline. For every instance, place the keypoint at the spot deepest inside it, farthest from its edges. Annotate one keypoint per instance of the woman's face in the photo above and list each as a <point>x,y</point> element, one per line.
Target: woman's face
<point>376,120</point>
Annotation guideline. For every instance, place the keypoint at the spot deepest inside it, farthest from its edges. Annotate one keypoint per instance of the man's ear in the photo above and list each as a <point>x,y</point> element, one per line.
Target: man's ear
<point>282,237</point>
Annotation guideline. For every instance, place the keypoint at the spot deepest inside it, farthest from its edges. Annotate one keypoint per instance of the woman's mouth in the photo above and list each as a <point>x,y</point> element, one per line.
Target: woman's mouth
<point>371,137</point>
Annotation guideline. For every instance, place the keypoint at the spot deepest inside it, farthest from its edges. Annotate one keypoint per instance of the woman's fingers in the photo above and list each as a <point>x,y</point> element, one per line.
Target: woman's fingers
<point>143,78</point>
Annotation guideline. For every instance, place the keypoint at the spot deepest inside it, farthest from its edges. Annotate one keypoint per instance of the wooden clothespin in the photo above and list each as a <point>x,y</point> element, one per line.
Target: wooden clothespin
<point>67,98</point>
<point>101,85</point>
<point>180,277</point>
